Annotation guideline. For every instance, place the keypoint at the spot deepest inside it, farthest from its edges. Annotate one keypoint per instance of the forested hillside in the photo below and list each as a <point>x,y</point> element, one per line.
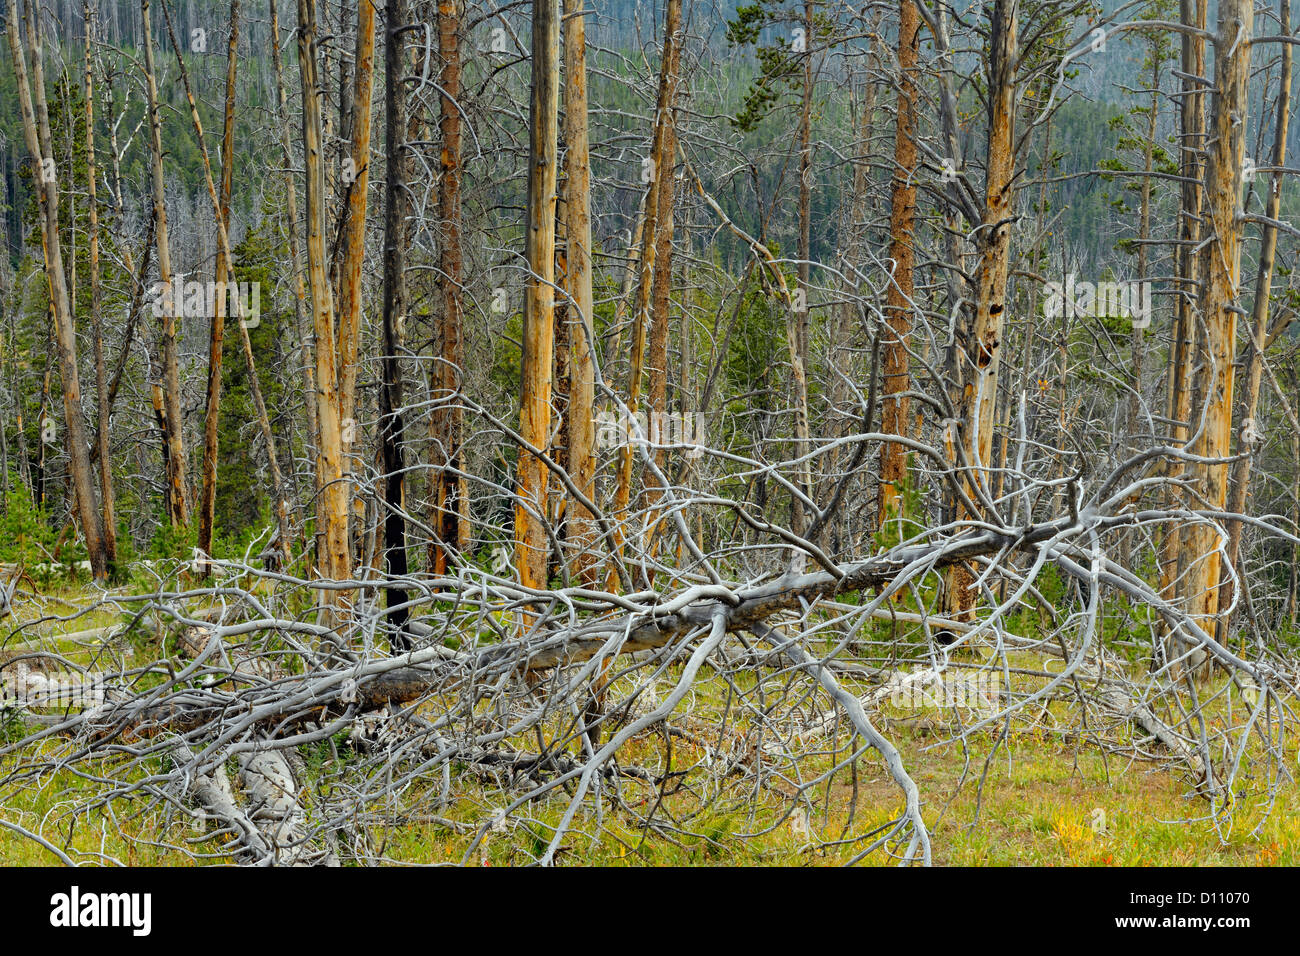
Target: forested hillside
<point>648,431</point>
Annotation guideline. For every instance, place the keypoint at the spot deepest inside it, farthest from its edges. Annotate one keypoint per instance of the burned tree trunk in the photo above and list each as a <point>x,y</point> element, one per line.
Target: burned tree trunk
<point>356,181</point>
<point>660,163</point>
<point>391,427</point>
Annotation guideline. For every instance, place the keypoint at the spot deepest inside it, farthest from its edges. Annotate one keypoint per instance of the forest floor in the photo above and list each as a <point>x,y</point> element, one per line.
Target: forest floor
<point>1036,796</point>
<point>1045,805</point>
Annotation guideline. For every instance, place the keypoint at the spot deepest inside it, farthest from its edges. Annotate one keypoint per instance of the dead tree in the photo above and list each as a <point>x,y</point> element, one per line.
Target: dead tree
<point>36,131</point>
<point>397,207</point>
<point>531,541</point>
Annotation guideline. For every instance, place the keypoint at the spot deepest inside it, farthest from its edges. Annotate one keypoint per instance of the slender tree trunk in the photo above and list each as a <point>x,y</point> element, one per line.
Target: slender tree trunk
<point>216,340</point>
<point>957,211</point>
<point>631,273</point>
<point>354,233</point>
<point>995,237</point>
<point>981,387</point>
<point>898,298</point>
<point>447,422</point>
<point>577,231</point>
<point>299,280</point>
<point>531,546</point>
<point>39,483</point>
<point>797,330</point>
<point>397,203</point>
<point>580,431</point>
<point>1182,349</point>
<point>36,131</point>
<point>335,559</point>
<point>177,508</point>
<point>109,519</point>
<point>659,162</point>
<point>1221,269</point>
<point>223,248</point>
<point>661,299</point>
<point>1249,434</point>
<point>560,370</point>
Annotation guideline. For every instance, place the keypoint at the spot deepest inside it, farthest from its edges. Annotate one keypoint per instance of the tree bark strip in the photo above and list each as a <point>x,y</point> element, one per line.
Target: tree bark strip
<point>1248,434</point>
<point>981,387</point>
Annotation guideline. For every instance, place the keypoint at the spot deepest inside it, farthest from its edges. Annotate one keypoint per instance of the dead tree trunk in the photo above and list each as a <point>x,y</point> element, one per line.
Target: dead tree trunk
<point>335,559</point>
<point>102,446</point>
<point>356,181</point>
<point>797,328</point>
<point>1248,433</point>
<point>1221,269</point>
<point>981,387</point>
<point>299,280</point>
<point>177,508</point>
<point>577,231</point>
<point>1182,348</point>
<point>36,130</point>
<point>531,546</point>
<point>397,203</point>
<point>902,256</point>
<point>216,340</point>
<point>661,294</point>
<point>659,161</point>
<point>450,502</point>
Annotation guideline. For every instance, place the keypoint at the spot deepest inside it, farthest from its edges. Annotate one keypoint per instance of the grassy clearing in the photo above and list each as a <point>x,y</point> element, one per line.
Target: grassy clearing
<point>1043,803</point>
<point>1041,795</point>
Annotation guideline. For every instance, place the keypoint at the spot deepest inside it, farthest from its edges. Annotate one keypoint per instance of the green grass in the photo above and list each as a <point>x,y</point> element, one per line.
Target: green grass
<point>1046,804</point>
<point>1043,795</point>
